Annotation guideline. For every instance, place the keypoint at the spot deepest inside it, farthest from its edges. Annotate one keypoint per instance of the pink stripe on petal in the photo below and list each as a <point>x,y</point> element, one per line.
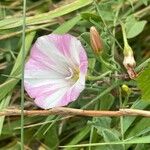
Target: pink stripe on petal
<point>35,65</point>
<point>38,55</point>
<point>34,92</point>
<point>62,43</point>
<point>83,62</point>
<point>71,95</point>
<point>51,100</point>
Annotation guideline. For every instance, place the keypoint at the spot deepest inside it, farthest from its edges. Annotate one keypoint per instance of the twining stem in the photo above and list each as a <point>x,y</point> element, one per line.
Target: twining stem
<point>94,78</point>
<point>76,112</point>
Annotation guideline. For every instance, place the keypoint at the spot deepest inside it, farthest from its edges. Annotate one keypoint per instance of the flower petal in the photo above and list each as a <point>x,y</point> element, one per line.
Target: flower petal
<point>73,93</point>
<point>50,100</point>
<point>83,62</point>
<point>40,78</point>
<point>62,43</point>
<point>69,46</point>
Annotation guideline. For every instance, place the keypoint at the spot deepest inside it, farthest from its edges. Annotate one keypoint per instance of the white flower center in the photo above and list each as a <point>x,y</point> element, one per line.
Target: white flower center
<point>73,74</point>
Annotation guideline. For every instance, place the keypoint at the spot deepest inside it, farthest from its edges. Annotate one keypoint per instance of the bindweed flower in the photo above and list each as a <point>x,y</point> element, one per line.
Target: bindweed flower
<point>96,41</point>
<point>56,69</point>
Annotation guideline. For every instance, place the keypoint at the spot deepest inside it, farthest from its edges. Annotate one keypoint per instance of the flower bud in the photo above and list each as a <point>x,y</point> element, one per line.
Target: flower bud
<point>129,60</point>
<point>126,89</point>
<point>95,40</point>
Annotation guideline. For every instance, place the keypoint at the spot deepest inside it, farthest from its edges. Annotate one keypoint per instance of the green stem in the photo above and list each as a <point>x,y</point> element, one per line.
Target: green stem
<point>127,49</point>
<point>114,33</point>
<point>124,35</point>
<point>107,65</point>
<point>22,81</point>
<point>101,94</point>
<point>94,78</point>
<point>92,128</point>
<point>121,118</point>
<point>143,64</point>
<point>125,101</point>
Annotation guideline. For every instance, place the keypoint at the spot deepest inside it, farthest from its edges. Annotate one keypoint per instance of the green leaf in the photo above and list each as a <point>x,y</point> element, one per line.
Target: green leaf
<point>91,65</point>
<point>79,136</point>
<point>89,16</point>
<point>107,102</point>
<point>143,82</point>
<point>128,121</point>
<point>45,17</point>
<point>54,142</point>
<point>145,2</point>
<point>139,140</point>
<point>65,27</point>
<point>134,27</point>
<point>3,104</point>
<point>103,126</point>
<point>105,11</point>
<point>7,86</point>
<point>141,127</point>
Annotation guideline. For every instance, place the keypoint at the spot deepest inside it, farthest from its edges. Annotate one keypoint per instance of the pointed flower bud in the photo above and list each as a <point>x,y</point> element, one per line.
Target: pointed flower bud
<point>129,60</point>
<point>96,41</point>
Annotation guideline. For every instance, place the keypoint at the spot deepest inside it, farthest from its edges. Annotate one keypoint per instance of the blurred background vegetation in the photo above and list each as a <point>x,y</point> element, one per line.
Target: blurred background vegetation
<point>106,93</point>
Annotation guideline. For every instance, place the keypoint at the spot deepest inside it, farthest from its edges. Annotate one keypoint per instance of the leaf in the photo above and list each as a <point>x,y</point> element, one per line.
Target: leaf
<point>111,135</point>
<point>141,127</point>
<point>145,2</point>
<point>103,126</point>
<point>65,27</point>
<point>143,81</point>
<point>107,102</point>
<point>91,65</point>
<point>144,139</point>
<point>105,11</point>
<point>3,104</point>
<point>54,141</point>
<point>6,87</point>
<point>89,16</point>
<point>45,17</point>
<point>127,121</point>
<point>79,136</point>
<point>134,27</point>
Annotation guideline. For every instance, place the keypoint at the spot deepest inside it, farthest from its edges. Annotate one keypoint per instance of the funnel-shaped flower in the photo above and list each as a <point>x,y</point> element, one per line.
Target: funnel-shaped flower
<point>56,69</point>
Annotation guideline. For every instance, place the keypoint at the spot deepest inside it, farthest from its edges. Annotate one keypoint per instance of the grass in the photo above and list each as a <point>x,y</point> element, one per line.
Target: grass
<point>103,87</point>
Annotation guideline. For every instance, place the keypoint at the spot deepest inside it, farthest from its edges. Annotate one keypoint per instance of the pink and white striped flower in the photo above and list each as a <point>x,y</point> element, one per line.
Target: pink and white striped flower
<point>56,69</point>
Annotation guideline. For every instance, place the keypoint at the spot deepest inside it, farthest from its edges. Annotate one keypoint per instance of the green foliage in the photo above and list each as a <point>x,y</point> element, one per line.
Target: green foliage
<point>143,81</point>
<point>67,25</point>
<point>103,85</point>
<point>16,71</point>
<point>134,27</point>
